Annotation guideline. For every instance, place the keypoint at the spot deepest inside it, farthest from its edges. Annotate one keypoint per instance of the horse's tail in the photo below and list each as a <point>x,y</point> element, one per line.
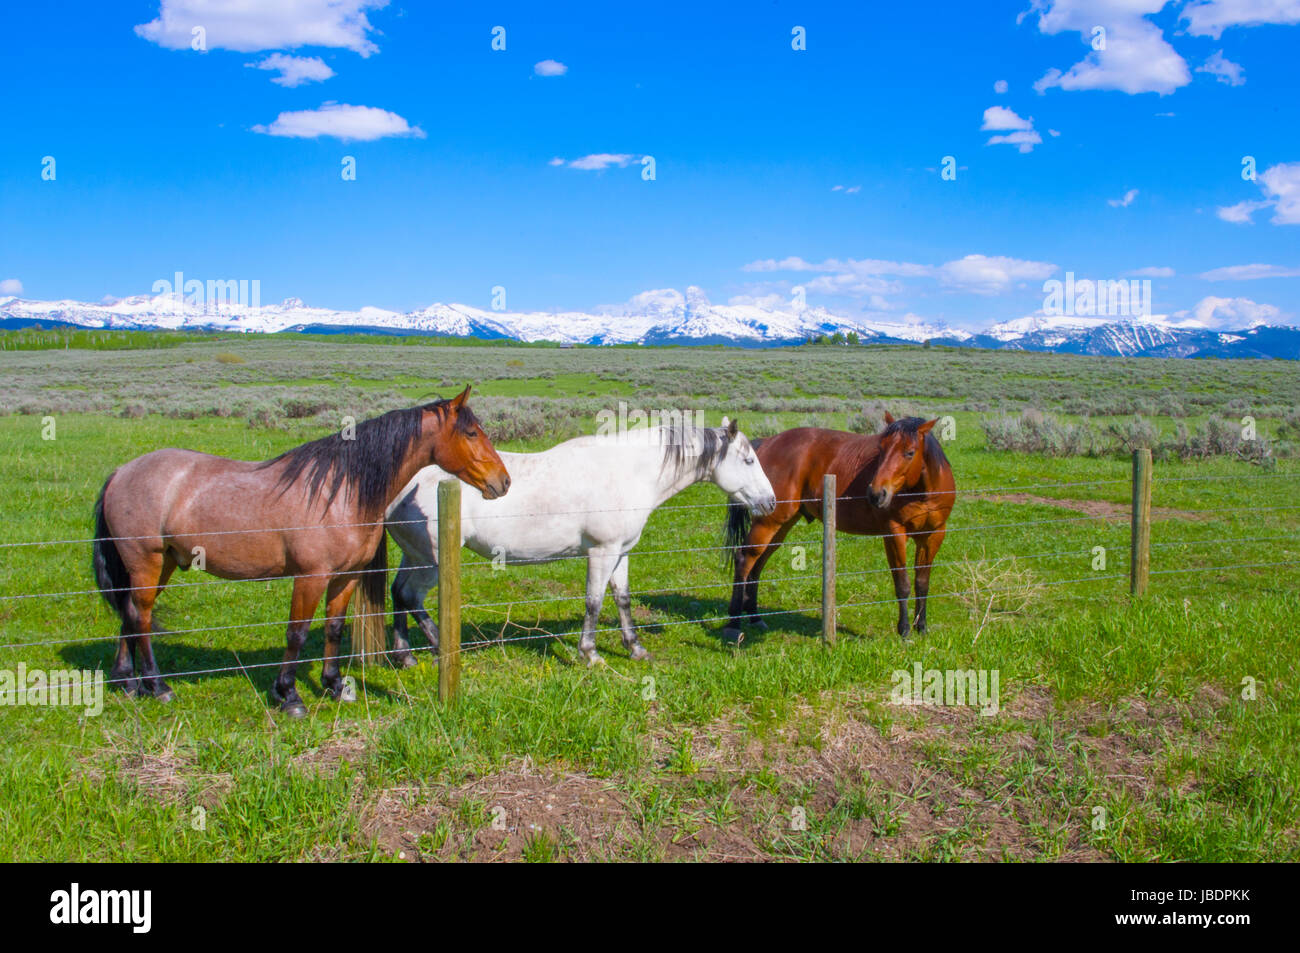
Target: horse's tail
<point>369,637</point>
<point>110,572</point>
<point>737,530</point>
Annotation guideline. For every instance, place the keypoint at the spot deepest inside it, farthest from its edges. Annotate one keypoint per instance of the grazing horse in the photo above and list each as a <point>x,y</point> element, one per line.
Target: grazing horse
<point>588,496</point>
<point>314,513</point>
<point>896,484</point>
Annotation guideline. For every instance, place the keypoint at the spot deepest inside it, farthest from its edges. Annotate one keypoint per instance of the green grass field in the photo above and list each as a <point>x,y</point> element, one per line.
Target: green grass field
<point>1165,728</point>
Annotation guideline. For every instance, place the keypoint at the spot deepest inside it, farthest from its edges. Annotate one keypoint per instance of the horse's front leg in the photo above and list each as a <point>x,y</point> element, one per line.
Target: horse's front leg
<point>307,592</point>
<point>896,554</point>
<point>600,566</point>
<point>337,598</point>
<point>927,548</point>
<point>619,585</point>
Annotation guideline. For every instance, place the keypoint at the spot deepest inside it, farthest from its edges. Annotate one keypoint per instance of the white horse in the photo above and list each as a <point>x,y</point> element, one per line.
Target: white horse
<point>588,496</point>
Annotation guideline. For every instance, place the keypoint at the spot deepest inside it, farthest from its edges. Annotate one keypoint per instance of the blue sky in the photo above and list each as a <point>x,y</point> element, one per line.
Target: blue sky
<point>1122,159</point>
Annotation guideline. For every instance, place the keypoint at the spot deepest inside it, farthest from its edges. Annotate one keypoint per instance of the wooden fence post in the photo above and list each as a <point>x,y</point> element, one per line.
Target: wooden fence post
<point>1140,556</point>
<point>828,559</point>
<point>448,590</point>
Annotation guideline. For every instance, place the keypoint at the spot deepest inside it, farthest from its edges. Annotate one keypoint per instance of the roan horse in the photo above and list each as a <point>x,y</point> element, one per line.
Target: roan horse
<point>896,484</point>
<point>314,513</point>
<point>588,496</point>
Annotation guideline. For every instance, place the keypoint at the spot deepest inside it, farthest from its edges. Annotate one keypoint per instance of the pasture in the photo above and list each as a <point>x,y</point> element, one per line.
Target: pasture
<point>1164,728</point>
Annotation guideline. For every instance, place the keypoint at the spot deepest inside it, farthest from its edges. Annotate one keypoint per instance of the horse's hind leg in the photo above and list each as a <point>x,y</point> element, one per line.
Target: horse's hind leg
<point>618,584</point>
<point>337,598</point>
<point>122,674</point>
<point>307,592</point>
<point>410,588</point>
<point>751,603</point>
<point>147,582</point>
<point>765,538</point>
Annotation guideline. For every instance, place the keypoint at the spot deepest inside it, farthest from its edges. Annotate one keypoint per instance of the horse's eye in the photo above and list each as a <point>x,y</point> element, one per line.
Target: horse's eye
<point>909,454</point>
<point>750,462</point>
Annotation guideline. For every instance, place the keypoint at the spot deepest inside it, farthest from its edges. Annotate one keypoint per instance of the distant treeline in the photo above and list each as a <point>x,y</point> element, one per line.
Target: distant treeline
<point>50,339</point>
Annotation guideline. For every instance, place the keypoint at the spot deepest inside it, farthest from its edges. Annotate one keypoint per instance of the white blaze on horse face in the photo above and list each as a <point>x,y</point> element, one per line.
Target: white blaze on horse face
<point>741,476</point>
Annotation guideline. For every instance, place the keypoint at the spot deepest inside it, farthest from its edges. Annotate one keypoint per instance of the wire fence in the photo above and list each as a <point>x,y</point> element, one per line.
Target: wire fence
<point>450,654</point>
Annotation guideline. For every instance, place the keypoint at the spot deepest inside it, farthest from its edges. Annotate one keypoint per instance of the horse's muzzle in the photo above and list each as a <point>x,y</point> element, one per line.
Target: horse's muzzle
<point>880,498</point>
<point>492,489</point>
<point>764,506</point>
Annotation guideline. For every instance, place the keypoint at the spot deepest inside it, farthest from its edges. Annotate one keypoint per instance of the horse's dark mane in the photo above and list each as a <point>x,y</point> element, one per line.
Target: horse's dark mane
<point>367,463</point>
<point>908,426</point>
<point>679,452</point>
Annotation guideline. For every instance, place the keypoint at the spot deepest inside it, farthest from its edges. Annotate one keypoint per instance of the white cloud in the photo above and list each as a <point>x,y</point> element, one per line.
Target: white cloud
<point>295,70</point>
<point>1281,187</point>
<point>1240,214</point>
<point>1154,271</point>
<point>978,274</point>
<point>1000,87</point>
<point>852,285</point>
<point>864,266</point>
<point>1019,131</point>
<point>247,26</point>
<point>11,286</point>
<point>1232,313</point>
<point>1250,272</point>
<point>1212,17</point>
<point>549,68</point>
<point>597,161</point>
<point>1281,183</point>
<point>1224,70</point>
<point>982,274</point>
<point>1053,133</point>
<point>1135,58</point>
<point>1124,202</point>
<point>363,123</point>
<point>847,189</point>
<point>998,118</point>
<point>768,302</point>
<point>1023,141</point>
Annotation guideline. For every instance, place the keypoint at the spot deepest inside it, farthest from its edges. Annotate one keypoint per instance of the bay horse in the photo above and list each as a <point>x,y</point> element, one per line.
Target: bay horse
<point>314,513</point>
<point>896,484</point>
<point>590,496</point>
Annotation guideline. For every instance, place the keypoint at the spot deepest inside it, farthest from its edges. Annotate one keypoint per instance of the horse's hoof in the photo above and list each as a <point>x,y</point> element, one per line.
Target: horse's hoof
<point>294,710</point>
<point>732,634</point>
<point>164,694</point>
<point>760,624</point>
<point>404,660</point>
<point>128,686</point>
<point>594,660</point>
<point>638,653</point>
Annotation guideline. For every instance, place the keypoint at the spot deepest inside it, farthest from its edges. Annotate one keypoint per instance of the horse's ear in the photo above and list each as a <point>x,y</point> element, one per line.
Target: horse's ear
<point>924,428</point>
<point>889,418</point>
<point>459,400</point>
<point>726,421</point>
<point>733,428</point>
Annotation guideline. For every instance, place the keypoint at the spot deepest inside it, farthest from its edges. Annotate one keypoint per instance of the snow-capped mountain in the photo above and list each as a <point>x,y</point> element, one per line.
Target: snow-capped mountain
<point>650,318</point>
<point>667,317</point>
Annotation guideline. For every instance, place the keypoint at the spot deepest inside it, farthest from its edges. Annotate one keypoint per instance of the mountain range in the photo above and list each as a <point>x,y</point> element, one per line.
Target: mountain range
<point>666,317</point>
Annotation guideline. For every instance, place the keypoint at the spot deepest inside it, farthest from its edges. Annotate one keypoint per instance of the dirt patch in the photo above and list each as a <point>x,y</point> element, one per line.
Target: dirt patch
<point>1101,509</point>
<point>520,813</point>
<point>848,778</point>
<point>342,746</point>
<point>165,777</point>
